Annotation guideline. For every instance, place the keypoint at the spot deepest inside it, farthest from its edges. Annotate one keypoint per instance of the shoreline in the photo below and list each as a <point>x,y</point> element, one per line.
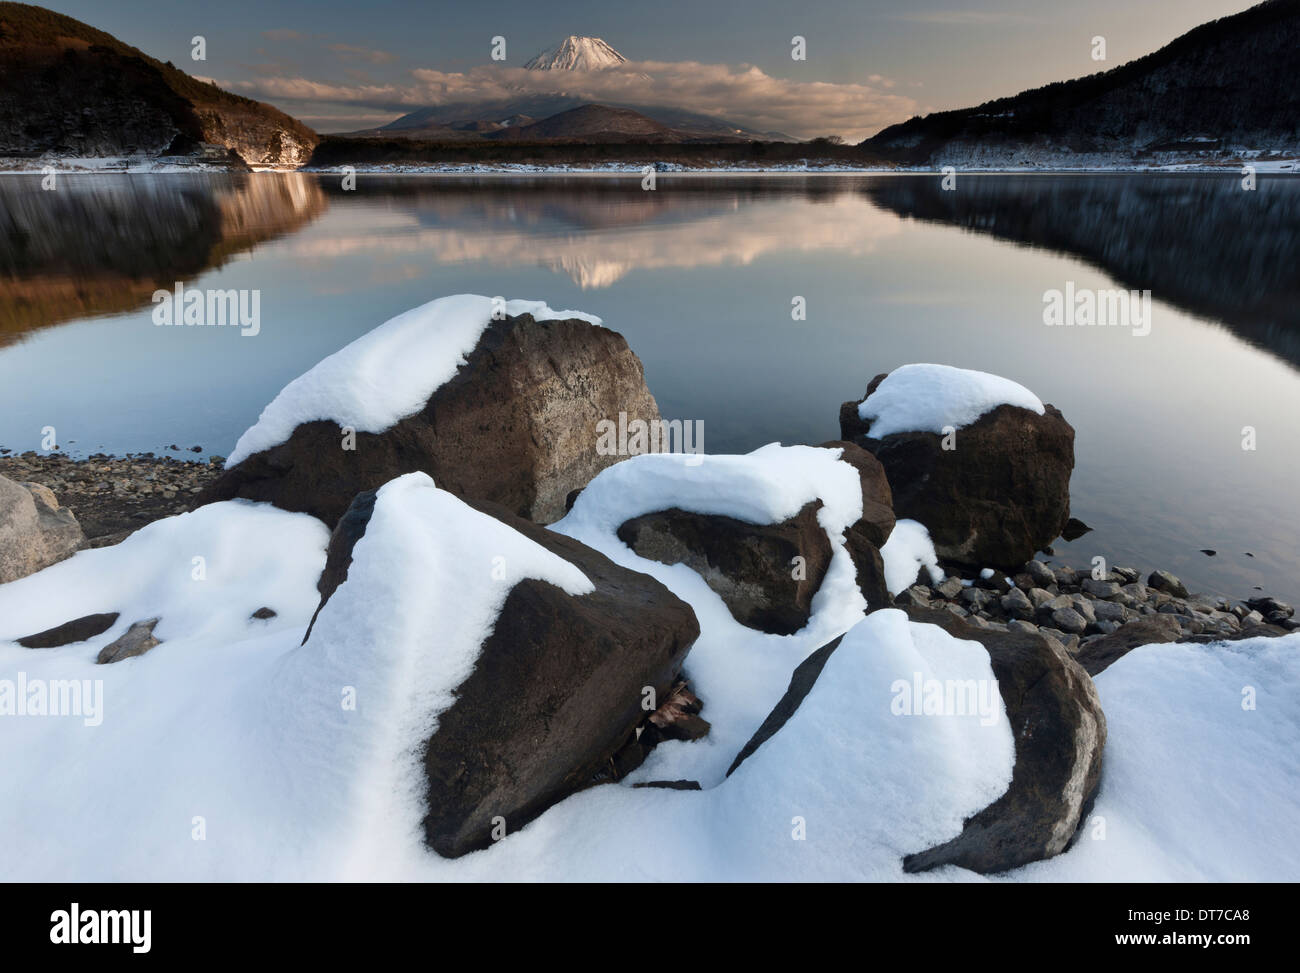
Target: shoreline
<point>150,167</point>
<point>113,496</point>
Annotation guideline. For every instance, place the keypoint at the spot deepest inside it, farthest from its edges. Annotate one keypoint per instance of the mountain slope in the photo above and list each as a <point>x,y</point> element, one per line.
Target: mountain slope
<point>593,123</point>
<point>69,89</point>
<point>1223,87</point>
<point>453,122</point>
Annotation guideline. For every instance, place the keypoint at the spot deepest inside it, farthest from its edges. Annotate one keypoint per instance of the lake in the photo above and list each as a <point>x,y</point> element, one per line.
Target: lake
<point>700,275</point>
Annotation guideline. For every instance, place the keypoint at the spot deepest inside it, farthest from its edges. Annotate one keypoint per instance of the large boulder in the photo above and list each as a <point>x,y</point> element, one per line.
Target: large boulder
<point>516,424</point>
<point>35,531</point>
<point>1001,493</point>
<point>1060,732</point>
<point>1097,654</point>
<point>559,684</point>
<point>754,567</point>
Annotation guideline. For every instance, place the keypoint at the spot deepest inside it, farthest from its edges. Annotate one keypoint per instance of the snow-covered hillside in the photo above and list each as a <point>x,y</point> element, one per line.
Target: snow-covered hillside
<point>577,53</point>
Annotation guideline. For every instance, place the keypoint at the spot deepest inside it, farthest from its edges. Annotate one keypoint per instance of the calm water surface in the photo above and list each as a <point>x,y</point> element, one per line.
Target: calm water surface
<point>699,275</point>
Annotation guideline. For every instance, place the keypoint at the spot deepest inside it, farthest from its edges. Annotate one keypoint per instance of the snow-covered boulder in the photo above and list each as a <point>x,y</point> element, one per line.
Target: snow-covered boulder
<point>527,656</point>
<point>763,530</point>
<point>1060,732</point>
<point>503,410</point>
<point>976,458</point>
<point>35,531</point>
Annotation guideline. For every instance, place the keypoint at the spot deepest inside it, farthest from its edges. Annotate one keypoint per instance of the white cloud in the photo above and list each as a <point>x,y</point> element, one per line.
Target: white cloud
<point>743,94</point>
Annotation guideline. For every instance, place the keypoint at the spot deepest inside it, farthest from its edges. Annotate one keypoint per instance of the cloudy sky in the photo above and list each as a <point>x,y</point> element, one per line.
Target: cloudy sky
<point>341,65</point>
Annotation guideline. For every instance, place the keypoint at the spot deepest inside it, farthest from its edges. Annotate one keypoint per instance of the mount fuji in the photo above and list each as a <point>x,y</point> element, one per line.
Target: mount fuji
<point>575,55</point>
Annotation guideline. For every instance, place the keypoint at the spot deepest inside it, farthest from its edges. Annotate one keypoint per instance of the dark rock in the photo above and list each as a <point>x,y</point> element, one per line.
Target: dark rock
<point>1017,605</point>
<point>555,694</point>
<point>750,566</point>
<point>1060,732</point>
<point>672,785</point>
<point>77,630</point>
<point>1074,529</point>
<point>949,587</point>
<point>516,426</point>
<point>262,614</point>
<point>351,527</point>
<point>1065,576</point>
<point>1100,589</point>
<point>1001,495</point>
<point>1166,582</point>
<point>1040,597</point>
<point>1269,605</point>
<point>1246,632</point>
<point>1069,621</point>
<point>137,640</point>
<point>802,681</point>
<point>916,595</point>
<point>1100,653</point>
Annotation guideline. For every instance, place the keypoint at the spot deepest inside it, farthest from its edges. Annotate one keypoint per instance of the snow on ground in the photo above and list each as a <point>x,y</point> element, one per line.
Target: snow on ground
<point>388,373</point>
<point>866,786</point>
<point>430,571</point>
<point>203,573</point>
<point>738,672</point>
<point>1196,787</point>
<point>188,730</point>
<point>927,398</point>
<point>226,752</point>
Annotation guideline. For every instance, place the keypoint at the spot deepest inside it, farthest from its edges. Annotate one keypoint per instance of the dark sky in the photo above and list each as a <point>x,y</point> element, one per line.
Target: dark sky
<point>343,65</point>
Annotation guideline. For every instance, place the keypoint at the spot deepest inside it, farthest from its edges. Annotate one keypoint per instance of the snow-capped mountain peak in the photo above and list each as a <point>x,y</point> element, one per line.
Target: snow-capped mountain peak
<point>576,53</point>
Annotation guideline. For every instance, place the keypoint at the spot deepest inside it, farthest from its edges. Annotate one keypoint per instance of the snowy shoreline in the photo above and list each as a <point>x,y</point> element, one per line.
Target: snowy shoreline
<point>735,646</point>
<point>28,167</point>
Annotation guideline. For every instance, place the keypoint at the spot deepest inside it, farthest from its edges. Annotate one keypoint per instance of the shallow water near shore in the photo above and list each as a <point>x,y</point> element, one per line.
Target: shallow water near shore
<point>700,276</point>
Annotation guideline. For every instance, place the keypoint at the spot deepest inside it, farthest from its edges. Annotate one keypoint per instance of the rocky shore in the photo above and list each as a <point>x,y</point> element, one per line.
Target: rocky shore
<point>516,606</point>
<point>112,496</point>
<point>1095,618</point>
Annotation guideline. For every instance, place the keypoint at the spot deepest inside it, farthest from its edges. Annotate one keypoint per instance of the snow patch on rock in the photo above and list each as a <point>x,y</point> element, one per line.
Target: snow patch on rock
<point>387,374</point>
<point>906,551</point>
<point>927,398</point>
<point>740,673</point>
<point>1197,787</point>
